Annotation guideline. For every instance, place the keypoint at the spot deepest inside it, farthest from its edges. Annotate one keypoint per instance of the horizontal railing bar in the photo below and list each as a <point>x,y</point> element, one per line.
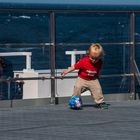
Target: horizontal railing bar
<point>21,79</point>
<point>25,44</point>
<point>96,11</point>
<point>82,44</point>
<point>102,76</point>
<point>59,77</point>
<point>64,44</point>
<point>66,10</point>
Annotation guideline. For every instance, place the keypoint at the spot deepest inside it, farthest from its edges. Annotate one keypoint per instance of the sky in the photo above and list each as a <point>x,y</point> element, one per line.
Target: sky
<point>100,2</point>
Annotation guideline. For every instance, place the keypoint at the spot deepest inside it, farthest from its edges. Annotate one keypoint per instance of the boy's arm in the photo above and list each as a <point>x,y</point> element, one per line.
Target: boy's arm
<point>78,65</point>
<point>70,69</point>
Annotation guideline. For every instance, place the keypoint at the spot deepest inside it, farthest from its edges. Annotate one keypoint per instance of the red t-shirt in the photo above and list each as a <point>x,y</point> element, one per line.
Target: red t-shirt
<point>87,69</point>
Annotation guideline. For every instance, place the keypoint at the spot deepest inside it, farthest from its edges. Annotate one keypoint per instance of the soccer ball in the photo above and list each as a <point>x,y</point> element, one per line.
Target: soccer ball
<point>75,103</point>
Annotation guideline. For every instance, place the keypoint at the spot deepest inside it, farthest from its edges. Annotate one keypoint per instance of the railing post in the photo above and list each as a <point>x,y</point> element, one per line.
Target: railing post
<point>9,90</point>
<point>132,55</point>
<point>52,55</point>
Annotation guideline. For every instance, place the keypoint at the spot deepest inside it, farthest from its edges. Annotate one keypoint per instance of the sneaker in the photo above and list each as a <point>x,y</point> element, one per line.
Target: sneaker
<point>102,105</point>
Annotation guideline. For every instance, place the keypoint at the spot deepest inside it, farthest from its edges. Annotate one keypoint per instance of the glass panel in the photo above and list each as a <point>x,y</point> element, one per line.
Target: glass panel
<point>82,28</point>
<point>40,56</point>
<point>115,85</point>
<point>137,50</point>
<point>137,55</point>
<point>116,59</point>
<point>13,66</point>
<point>137,29</point>
<point>22,32</point>
<point>77,31</point>
<point>24,28</point>
<point>137,37</point>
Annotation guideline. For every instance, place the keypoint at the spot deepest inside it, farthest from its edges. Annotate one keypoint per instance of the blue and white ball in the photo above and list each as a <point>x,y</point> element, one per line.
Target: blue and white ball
<point>75,102</point>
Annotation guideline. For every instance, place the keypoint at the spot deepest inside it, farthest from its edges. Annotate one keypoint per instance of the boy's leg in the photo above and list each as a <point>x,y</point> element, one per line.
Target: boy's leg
<point>96,91</point>
<point>79,86</point>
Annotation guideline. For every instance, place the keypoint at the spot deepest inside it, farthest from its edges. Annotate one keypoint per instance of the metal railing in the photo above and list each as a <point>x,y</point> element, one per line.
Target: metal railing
<point>52,33</point>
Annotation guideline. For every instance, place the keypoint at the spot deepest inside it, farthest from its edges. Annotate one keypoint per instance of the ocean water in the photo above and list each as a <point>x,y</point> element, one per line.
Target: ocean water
<point>30,32</point>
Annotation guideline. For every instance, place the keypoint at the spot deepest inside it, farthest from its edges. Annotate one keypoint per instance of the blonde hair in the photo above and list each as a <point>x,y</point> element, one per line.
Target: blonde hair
<point>101,50</point>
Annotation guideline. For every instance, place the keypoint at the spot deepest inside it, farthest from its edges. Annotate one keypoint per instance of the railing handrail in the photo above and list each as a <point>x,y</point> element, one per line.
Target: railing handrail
<point>10,79</point>
<point>65,44</point>
<point>74,11</point>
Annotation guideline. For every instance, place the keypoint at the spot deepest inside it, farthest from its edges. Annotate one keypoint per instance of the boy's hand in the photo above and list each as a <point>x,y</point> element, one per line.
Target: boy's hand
<point>64,73</point>
<point>70,69</point>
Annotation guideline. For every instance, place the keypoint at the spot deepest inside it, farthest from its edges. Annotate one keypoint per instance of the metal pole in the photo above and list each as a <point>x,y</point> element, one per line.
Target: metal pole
<point>132,54</point>
<point>52,55</point>
<point>9,92</point>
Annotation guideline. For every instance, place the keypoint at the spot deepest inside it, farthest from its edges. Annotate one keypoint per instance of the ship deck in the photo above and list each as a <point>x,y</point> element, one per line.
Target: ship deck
<point>57,122</point>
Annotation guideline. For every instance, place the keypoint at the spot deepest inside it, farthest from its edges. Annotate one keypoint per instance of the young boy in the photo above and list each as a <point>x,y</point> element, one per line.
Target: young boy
<point>89,69</point>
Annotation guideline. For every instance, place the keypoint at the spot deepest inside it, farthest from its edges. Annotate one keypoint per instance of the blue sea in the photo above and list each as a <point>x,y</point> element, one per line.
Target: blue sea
<point>30,32</point>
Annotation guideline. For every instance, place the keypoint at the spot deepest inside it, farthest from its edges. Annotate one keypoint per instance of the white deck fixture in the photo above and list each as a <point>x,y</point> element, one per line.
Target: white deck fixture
<point>73,55</point>
<point>27,54</point>
<point>33,89</point>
